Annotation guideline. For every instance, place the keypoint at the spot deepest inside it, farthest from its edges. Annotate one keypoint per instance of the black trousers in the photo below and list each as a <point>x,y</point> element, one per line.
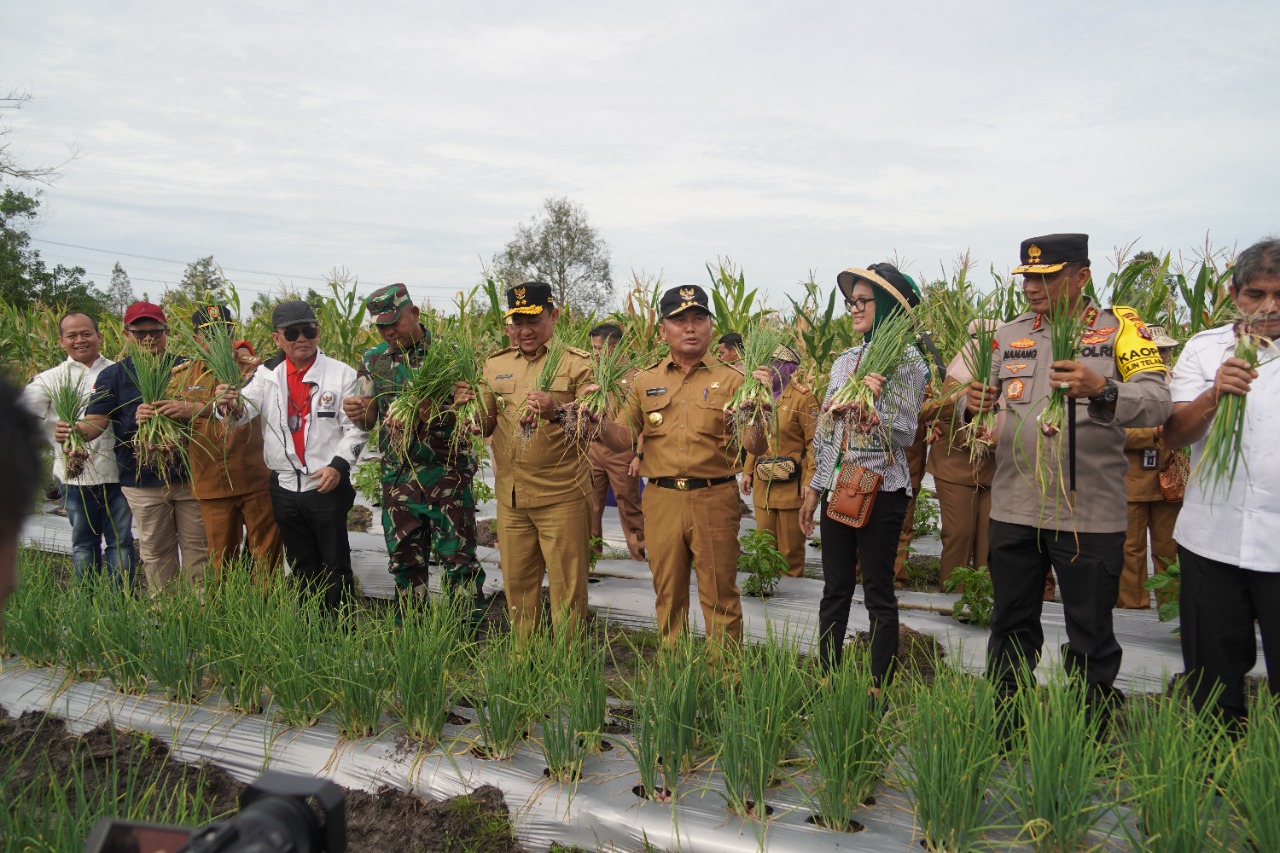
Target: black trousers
<point>1219,604</point>
<point>1088,567</point>
<point>313,530</point>
<point>876,547</point>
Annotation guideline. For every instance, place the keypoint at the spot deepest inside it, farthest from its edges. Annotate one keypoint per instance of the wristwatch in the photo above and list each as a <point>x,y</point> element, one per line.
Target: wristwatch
<point>1108,394</point>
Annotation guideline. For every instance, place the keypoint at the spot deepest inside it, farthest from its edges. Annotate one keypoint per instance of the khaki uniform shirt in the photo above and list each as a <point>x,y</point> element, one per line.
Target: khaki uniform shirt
<point>681,417</point>
<point>1147,458</point>
<point>949,456</point>
<point>1116,344</point>
<point>226,460</point>
<point>546,469</point>
<point>797,410</point>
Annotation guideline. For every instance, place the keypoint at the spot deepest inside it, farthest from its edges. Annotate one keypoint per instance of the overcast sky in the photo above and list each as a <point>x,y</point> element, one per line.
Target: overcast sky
<point>405,141</point>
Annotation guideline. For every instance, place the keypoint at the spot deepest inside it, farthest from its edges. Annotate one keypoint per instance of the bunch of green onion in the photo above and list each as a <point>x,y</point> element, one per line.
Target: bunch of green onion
<point>430,386</point>
<point>215,347</point>
<point>853,403</point>
<point>751,406</point>
<point>1224,444</point>
<point>584,418</point>
<point>68,399</point>
<point>546,376</point>
<point>1065,328</point>
<point>158,442</point>
<point>978,354</point>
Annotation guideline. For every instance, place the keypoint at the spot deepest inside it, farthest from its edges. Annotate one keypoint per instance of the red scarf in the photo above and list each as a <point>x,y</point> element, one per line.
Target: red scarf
<point>299,406</point>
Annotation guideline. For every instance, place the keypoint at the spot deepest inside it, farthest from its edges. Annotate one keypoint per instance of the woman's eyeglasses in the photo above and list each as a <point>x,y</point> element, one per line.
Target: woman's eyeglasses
<point>143,334</point>
<point>309,331</point>
<point>859,304</point>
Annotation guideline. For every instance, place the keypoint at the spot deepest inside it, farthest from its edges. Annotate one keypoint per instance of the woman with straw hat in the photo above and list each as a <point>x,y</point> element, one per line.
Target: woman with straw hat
<point>880,299</point>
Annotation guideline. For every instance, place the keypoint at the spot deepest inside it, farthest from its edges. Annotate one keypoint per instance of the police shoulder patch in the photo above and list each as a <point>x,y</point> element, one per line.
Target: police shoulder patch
<point>1135,350</point>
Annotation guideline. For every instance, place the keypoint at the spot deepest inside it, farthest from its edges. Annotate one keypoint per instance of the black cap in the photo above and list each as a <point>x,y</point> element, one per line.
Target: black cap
<point>1052,252</point>
<point>532,297</point>
<point>679,299</point>
<point>291,313</point>
<point>887,277</point>
<point>208,315</point>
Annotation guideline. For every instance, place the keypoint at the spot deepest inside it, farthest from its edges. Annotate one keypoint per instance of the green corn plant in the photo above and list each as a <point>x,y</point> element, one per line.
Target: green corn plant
<point>822,333</point>
<point>1254,780</point>
<point>432,647</point>
<point>952,752</point>
<point>850,747</point>
<point>1175,760</point>
<point>732,303</point>
<point>1060,797</point>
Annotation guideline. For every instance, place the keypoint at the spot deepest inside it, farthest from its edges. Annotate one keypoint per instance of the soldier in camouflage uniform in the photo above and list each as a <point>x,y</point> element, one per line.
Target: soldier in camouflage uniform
<point>427,501</point>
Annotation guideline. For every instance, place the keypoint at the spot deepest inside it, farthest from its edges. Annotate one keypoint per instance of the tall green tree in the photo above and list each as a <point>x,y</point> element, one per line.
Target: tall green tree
<point>561,247</point>
<point>120,291</point>
<point>24,277</point>
<point>202,283</point>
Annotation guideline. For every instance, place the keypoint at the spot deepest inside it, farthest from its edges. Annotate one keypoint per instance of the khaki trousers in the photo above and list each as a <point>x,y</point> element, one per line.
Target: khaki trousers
<point>1158,518</point>
<point>226,521</point>
<point>552,540</point>
<point>612,471</point>
<point>695,528</point>
<point>784,524</point>
<point>168,523</point>
<point>966,521</point>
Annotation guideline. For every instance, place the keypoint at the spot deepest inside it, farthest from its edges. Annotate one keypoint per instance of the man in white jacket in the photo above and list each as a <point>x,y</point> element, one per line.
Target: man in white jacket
<point>101,523</point>
<point>310,446</point>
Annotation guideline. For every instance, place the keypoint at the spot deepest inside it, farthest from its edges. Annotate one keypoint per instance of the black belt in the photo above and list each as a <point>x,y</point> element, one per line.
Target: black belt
<point>686,484</point>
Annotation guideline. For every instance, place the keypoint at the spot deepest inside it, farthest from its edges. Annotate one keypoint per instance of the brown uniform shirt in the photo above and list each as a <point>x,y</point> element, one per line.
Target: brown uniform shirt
<point>546,469</point>
<point>223,464</point>
<point>797,410</point>
<point>949,456</point>
<point>681,417</point>
<point>1147,458</point>
<point>1117,345</point>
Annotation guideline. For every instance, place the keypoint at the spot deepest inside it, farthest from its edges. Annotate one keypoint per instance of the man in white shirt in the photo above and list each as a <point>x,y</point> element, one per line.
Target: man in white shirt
<point>96,506</point>
<point>1226,532</point>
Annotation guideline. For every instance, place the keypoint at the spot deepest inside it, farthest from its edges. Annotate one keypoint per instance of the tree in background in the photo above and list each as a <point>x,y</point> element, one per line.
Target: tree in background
<point>120,292</point>
<point>202,283</point>
<point>559,246</point>
<point>24,278</point>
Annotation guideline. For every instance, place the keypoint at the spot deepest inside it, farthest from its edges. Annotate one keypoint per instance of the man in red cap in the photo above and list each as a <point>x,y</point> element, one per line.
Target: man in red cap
<point>165,510</point>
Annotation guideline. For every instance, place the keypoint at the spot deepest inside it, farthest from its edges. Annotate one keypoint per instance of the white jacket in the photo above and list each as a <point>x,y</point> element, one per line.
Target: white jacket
<point>38,397</point>
<point>331,438</point>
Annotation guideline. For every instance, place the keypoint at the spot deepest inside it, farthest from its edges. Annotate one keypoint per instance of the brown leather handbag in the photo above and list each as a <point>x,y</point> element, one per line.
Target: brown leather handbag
<point>854,495</point>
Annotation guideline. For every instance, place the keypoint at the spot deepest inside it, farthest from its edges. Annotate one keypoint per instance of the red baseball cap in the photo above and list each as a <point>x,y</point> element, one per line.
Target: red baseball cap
<point>143,311</point>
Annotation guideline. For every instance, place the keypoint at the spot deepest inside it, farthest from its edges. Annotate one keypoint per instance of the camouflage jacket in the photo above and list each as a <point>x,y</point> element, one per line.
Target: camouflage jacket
<point>383,372</point>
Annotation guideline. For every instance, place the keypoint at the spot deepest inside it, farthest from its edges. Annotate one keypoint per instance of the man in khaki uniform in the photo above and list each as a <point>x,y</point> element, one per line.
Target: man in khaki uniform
<point>228,474</point>
<point>963,486</point>
<point>1119,380</point>
<point>543,483</point>
<point>789,462</point>
<point>615,469</point>
<point>690,462</point>
<point>1149,513</point>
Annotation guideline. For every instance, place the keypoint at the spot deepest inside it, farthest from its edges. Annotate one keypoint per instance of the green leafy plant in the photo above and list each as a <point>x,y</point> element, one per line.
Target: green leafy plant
<point>765,563</point>
<point>510,692</point>
<point>1168,589</point>
<point>977,596</point>
<point>927,519</point>
<point>367,480</point>
<point>431,648</point>
<point>850,747</point>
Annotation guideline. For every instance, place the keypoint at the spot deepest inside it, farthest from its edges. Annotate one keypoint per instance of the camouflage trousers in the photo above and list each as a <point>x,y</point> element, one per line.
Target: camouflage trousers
<point>432,511</point>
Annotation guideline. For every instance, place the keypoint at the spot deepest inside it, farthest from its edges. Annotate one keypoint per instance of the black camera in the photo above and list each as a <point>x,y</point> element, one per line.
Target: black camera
<point>279,813</point>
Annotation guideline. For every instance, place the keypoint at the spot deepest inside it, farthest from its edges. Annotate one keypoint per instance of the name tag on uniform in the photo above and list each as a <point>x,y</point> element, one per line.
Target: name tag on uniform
<point>1149,459</point>
<point>504,376</point>
<point>654,392</point>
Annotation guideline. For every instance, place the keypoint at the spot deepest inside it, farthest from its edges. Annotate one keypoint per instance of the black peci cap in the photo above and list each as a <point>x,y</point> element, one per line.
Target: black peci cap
<point>1052,252</point>
<point>679,299</point>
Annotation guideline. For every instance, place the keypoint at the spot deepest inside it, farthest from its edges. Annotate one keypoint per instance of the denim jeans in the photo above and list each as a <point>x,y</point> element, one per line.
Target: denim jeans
<point>100,515</point>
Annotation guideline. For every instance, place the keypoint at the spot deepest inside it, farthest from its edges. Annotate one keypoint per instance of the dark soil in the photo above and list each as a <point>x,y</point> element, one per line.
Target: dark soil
<point>487,532</point>
<point>386,820</point>
<point>917,653</point>
<point>359,518</point>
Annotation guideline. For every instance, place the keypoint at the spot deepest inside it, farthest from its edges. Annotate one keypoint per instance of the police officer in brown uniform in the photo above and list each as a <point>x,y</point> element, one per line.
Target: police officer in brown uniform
<point>774,480</point>
<point>1151,515</point>
<point>543,483</point>
<point>690,462</point>
<point>1118,380</point>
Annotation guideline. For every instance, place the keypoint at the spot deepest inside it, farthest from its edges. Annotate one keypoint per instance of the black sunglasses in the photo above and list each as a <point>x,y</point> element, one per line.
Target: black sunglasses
<point>310,331</point>
<point>143,334</point>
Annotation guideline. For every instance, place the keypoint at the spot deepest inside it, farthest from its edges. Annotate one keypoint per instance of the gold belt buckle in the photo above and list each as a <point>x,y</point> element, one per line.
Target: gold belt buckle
<point>682,484</point>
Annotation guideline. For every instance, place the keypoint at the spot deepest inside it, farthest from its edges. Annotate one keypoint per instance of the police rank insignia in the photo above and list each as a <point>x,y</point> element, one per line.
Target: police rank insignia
<point>655,419</point>
<point>1023,343</point>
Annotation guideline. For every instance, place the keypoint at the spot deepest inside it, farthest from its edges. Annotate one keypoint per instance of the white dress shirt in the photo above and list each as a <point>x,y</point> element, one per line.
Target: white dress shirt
<point>38,397</point>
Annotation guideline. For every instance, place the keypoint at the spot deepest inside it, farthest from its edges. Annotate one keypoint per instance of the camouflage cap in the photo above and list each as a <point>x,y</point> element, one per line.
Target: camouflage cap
<point>386,303</point>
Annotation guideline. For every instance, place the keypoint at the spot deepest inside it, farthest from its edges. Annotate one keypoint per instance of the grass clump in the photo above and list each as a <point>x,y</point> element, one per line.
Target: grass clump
<point>298,654</point>
<point>1254,786</point>
<point>176,642</point>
